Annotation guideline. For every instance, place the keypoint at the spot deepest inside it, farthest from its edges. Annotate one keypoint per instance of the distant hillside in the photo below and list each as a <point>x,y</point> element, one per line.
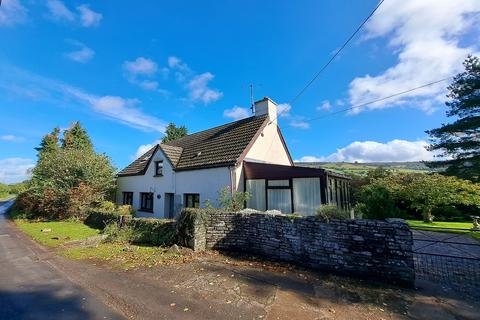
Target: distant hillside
<point>362,168</point>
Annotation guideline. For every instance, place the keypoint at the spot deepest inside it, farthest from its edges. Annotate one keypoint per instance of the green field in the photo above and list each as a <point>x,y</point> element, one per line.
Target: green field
<point>444,226</point>
<point>361,169</point>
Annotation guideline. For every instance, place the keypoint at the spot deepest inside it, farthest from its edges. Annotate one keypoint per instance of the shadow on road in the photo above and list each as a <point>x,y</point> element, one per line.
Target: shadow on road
<point>42,303</point>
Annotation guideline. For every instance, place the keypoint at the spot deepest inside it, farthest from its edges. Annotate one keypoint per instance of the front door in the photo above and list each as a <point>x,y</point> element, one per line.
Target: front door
<point>169,206</point>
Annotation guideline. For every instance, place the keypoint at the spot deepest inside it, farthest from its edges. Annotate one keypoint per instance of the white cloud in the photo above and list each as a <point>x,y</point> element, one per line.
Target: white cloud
<point>149,85</point>
<point>144,148</point>
<point>283,110</point>
<point>10,138</point>
<point>59,11</point>
<point>199,90</point>
<point>82,54</point>
<point>236,113</point>
<point>85,16</point>
<point>117,108</point>
<point>299,124</point>
<point>427,39</point>
<point>14,170</point>
<point>88,17</point>
<point>137,70</point>
<point>141,66</point>
<point>12,12</point>
<point>371,151</point>
<point>177,63</point>
<point>324,106</point>
<point>196,84</point>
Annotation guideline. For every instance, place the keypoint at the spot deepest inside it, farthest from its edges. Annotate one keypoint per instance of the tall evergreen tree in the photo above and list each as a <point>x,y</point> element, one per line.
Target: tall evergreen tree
<point>77,138</point>
<point>173,132</point>
<point>49,144</point>
<point>460,140</point>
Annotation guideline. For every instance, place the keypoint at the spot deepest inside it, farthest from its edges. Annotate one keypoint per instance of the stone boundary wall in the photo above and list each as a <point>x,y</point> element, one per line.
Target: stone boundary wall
<point>364,248</point>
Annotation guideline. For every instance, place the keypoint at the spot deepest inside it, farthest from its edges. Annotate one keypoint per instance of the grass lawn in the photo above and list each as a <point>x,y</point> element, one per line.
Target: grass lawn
<point>61,231</point>
<point>445,226</point>
<point>119,255</point>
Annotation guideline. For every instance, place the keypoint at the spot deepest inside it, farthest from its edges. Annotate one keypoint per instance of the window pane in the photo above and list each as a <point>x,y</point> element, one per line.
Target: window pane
<point>278,183</point>
<point>256,188</point>
<point>280,199</point>
<point>306,195</point>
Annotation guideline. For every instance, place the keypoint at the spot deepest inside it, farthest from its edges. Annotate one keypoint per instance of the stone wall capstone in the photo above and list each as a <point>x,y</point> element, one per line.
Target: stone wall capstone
<point>363,248</point>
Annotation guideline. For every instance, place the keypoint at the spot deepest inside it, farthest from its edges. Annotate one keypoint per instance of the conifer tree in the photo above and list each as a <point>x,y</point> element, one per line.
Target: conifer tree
<point>459,140</point>
<point>77,138</point>
<point>173,132</point>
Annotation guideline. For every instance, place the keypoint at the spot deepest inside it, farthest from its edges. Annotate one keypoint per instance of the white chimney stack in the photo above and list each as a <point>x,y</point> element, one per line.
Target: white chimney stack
<point>266,106</point>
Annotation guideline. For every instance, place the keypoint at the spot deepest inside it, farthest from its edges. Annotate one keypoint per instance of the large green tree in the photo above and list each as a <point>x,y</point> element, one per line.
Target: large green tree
<point>68,178</point>
<point>173,132</point>
<point>459,141</point>
<point>419,192</point>
<point>49,144</point>
<point>76,137</point>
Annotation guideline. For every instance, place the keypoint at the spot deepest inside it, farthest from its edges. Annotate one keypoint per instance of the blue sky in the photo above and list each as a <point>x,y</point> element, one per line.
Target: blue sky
<point>125,69</point>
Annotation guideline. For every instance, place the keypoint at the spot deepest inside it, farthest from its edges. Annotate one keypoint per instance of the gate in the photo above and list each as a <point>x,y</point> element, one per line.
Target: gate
<point>451,259</point>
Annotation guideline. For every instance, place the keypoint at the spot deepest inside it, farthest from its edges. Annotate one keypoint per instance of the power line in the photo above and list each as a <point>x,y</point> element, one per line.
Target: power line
<point>380,99</point>
<point>332,58</point>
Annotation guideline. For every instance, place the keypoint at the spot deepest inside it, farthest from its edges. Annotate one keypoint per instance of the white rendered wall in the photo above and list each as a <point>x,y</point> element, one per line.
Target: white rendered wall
<point>268,148</point>
<point>206,182</point>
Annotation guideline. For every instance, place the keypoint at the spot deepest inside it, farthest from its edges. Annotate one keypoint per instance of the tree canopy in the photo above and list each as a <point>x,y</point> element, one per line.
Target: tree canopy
<point>68,178</point>
<point>419,192</point>
<point>173,132</point>
<point>459,141</point>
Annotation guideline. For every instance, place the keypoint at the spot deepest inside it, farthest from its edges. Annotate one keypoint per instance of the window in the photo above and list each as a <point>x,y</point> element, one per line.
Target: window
<point>159,168</point>
<point>256,189</point>
<point>192,200</point>
<point>279,195</point>
<point>306,195</point>
<point>128,198</point>
<point>146,201</point>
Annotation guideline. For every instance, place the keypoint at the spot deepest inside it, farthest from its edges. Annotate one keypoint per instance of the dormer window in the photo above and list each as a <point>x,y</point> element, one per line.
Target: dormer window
<point>158,168</point>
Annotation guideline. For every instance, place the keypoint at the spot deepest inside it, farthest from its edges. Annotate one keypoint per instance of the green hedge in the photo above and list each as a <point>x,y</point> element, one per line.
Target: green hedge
<point>100,219</point>
<point>157,232</point>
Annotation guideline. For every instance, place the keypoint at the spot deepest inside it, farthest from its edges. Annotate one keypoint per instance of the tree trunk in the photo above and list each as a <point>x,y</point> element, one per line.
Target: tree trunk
<point>427,216</point>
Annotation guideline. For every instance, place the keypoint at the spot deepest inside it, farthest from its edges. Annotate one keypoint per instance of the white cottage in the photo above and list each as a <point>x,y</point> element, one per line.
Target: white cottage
<point>246,155</point>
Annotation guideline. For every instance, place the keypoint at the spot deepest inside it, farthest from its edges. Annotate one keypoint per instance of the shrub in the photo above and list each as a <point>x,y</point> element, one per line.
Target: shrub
<point>377,203</point>
<point>124,234</point>
<point>157,232</point>
<point>329,212</point>
<point>232,201</point>
<point>99,219</point>
<point>106,206</point>
<point>125,210</point>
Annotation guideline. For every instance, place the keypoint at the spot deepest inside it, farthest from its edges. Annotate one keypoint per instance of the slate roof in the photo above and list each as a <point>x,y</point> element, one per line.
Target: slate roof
<point>215,147</point>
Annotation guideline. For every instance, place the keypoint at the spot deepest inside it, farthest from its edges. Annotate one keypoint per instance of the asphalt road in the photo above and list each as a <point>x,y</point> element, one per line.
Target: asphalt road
<point>32,288</point>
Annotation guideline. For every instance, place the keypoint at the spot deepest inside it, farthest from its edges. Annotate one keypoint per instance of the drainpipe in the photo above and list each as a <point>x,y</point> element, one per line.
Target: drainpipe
<point>232,178</point>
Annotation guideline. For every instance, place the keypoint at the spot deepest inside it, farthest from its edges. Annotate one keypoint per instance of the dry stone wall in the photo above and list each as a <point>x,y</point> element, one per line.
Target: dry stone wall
<point>364,248</point>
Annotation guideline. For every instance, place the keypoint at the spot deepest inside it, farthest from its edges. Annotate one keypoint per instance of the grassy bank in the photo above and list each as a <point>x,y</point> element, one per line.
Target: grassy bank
<point>62,236</point>
<point>445,226</point>
<point>56,233</point>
